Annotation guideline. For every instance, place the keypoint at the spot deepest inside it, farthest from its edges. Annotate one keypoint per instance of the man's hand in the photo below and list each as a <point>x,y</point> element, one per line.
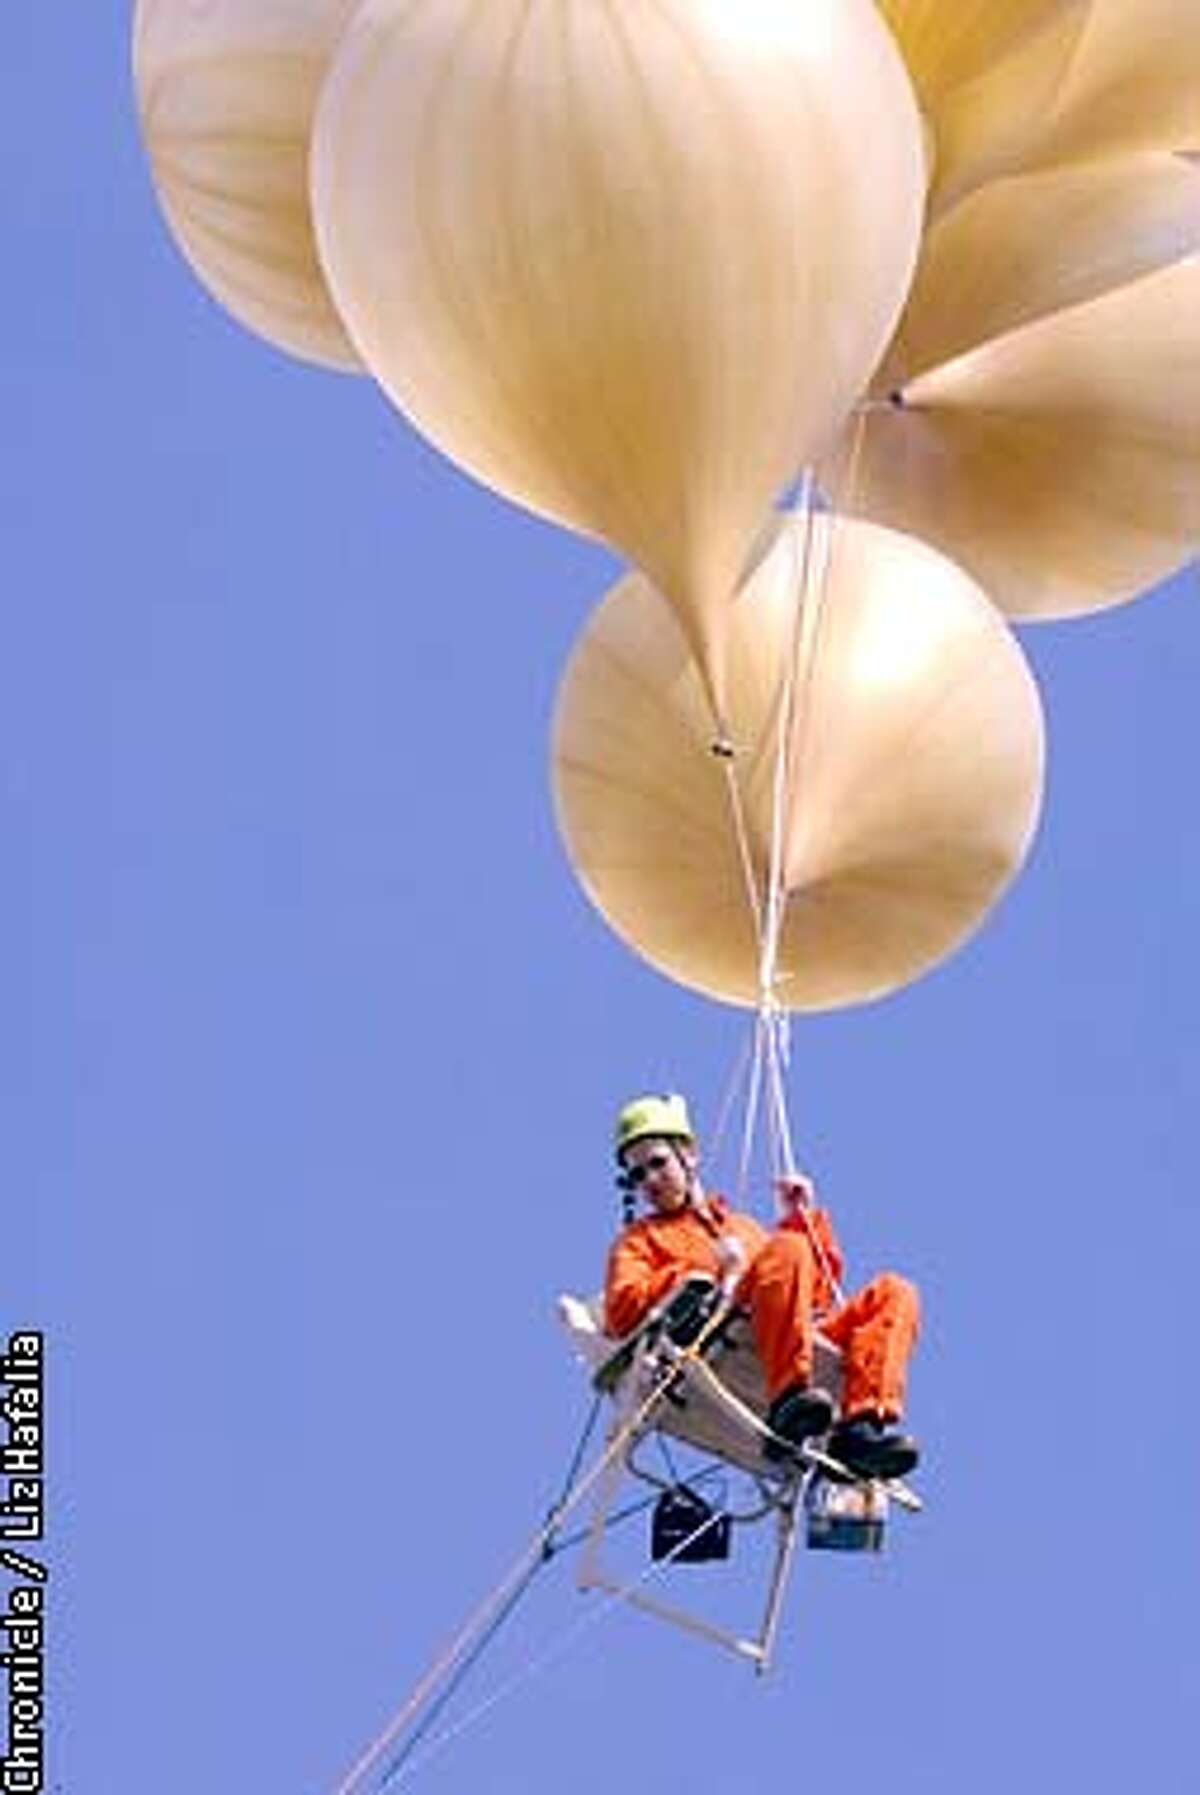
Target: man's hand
<point>731,1256</point>
<point>795,1190</point>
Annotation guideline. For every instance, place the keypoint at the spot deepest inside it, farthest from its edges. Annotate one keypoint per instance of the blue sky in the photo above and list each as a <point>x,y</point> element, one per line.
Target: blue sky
<point>309,1048</point>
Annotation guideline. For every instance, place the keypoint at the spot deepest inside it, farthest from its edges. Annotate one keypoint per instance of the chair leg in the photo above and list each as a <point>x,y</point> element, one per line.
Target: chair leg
<point>781,1571</point>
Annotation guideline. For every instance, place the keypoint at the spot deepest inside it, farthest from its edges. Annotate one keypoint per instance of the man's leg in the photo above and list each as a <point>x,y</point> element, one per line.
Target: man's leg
<point>876,1331</point>
<point>778,1289</point>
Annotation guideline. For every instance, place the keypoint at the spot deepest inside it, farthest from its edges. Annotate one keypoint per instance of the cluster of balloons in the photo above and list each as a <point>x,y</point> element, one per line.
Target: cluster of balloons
<point>635,264</point>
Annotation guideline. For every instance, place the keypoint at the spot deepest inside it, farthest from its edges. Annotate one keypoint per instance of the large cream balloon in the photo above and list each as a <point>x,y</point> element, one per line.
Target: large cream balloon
<point>628,263</point>
<point>227,90</point>
<point>1133,84</point>
<point>917,767</point>
<point>1044,428</point>
<point>947,44</point>
<point>1097,79</point>
<point>1028,247</point>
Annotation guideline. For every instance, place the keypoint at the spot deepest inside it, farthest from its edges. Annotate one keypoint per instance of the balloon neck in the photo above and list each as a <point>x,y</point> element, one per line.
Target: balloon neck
<point>893,400</point>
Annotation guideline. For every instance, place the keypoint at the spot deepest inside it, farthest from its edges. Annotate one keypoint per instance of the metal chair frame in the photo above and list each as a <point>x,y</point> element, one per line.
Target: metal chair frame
<point>715,1404</point>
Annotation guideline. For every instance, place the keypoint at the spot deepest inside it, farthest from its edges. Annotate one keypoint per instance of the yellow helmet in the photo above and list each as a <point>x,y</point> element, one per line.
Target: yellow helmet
<point>643,1117</point>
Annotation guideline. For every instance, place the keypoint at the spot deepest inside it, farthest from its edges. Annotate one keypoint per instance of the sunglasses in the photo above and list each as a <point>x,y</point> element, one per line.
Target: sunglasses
<point>638,1174</point>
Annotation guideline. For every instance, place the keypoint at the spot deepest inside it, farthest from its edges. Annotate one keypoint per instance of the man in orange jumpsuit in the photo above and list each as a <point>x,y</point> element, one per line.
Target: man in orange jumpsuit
<point>787,1280</point>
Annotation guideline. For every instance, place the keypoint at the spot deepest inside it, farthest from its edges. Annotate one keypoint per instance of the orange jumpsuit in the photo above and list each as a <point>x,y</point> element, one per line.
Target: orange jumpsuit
<point>786,1287</point>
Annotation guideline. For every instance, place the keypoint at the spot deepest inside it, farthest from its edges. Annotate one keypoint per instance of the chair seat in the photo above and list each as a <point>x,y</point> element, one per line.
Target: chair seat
<point>703,1409</point>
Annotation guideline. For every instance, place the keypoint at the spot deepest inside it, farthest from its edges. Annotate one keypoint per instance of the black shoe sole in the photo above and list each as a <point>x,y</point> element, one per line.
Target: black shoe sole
<point>817,1420</point>
<point>888,1462</point>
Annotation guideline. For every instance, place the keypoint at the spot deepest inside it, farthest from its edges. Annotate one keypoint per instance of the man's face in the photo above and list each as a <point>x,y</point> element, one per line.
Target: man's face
<point>662,1171</point>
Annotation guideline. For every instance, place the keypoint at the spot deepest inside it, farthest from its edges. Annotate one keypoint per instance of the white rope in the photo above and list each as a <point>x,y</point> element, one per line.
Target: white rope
<point>769,1060</point>
<point>811,602</point>
<point>811,575</point>
<point>794,722</point>
<point>785,1153</point>
<point>538,1664</point>
<point>442,1668</point>
<point>776,897</point>
<point>755,903</point>
<point>750,1120</point>
<point>445,1664</point>
<point>772,1019</point>
<point>716,1136</point>
<point>742,838</point>
<point>766,906</point>
<point>813,589</point>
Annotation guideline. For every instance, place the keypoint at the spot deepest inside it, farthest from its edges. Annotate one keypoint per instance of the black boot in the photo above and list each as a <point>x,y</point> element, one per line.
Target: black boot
<point>873,1448</point>
<point>797,1414</point>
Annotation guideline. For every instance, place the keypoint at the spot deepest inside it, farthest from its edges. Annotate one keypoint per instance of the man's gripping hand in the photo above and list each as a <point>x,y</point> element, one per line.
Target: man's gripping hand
<point>795,1190</point>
